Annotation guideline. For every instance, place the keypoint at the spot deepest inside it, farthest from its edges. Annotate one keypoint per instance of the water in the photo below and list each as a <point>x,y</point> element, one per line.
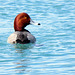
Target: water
<point>54,52</point>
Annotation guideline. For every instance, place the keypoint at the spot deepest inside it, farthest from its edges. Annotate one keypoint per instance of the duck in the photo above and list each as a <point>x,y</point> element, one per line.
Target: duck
<point>22,35</point>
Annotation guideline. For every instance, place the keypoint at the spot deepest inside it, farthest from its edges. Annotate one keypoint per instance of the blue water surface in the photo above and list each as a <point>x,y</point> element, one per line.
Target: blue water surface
<point>54,51</point>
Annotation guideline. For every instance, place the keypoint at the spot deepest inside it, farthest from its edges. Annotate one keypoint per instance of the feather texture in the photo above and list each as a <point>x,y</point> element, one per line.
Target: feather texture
<point>22,37</point>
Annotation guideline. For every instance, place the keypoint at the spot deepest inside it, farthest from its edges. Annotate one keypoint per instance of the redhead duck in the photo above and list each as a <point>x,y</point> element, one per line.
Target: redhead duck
<point>21,35</point>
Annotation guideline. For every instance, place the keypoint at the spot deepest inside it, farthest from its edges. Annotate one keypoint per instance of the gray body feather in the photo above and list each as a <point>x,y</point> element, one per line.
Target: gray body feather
<point>22,37</point>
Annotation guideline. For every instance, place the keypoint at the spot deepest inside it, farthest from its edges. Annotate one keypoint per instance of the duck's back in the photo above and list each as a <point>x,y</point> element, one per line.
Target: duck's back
<point>21,37</point>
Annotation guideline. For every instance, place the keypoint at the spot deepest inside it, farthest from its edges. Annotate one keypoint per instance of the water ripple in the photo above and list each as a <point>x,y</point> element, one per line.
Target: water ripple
<point>54,51</point>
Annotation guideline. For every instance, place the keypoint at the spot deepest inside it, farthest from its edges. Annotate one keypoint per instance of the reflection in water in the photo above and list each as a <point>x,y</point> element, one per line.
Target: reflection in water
<point>21,60</point>
<point>24,46</point>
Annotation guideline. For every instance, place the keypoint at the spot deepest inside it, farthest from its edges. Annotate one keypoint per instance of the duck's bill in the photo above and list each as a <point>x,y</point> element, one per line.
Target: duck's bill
<point>34,23</point>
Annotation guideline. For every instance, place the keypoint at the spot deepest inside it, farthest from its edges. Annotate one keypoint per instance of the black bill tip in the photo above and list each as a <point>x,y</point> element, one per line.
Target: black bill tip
<point>39,24</point>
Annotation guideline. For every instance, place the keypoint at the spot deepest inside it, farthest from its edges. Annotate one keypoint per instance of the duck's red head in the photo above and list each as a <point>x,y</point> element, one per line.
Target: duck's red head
<point>21,21</point>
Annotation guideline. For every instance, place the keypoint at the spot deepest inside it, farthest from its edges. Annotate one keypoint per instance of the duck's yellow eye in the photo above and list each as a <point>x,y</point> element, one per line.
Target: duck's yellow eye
<point>25,17</point>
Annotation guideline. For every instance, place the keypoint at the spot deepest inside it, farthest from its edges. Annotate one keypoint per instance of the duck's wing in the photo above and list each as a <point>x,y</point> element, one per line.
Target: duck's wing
<point>22,38</point>
<point>25,37</point>
<point>31,38</point>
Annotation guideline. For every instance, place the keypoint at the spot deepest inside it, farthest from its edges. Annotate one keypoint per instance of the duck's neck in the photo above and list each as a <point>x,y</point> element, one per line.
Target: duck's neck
<point>23,30</point>
<point>16,28</point>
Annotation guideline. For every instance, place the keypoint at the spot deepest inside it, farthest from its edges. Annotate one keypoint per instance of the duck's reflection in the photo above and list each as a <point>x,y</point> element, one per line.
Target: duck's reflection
<point>22,59</point>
